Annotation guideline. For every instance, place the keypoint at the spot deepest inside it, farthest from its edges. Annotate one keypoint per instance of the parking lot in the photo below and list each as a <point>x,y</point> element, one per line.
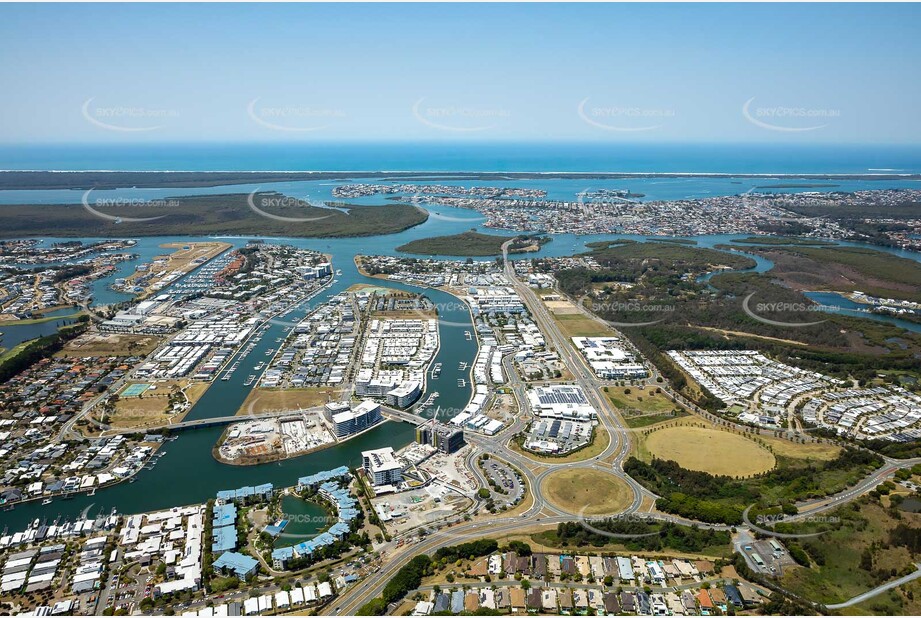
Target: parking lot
<point>506,479</point>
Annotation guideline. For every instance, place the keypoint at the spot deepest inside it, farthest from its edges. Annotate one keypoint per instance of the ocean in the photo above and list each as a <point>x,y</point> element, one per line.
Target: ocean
<point>468,156</point>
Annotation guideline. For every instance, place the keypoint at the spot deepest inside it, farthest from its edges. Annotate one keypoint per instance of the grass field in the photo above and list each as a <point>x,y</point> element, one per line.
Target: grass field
<point>598,493</point>
<point>280,400</point>
<point>580,325</point>
<point>710,450</point>
<point>7,354</point>
<point>642,407</point>
<point>811,451</point>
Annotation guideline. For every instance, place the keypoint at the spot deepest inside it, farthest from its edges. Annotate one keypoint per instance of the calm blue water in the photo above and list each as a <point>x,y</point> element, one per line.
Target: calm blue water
<point>169,483</point>
<point>833,302</point>
<point>470,156</point>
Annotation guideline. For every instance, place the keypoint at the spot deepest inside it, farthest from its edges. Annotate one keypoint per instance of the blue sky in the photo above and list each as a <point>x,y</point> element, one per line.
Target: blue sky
<point>614,73</point>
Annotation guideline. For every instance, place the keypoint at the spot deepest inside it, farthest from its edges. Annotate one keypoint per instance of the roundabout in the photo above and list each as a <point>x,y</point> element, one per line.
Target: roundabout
<point>587,491</point>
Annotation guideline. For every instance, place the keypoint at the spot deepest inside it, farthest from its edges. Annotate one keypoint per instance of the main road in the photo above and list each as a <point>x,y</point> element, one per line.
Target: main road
<point>541,512</point>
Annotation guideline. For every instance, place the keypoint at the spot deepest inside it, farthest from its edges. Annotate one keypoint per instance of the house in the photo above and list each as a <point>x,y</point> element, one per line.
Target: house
<point>480,568</point>
<point>535,600</point>
<point>688,602</point>
<point>539,566</point>
<point>548,601</point>
<point>517,598</point>
<point>471,602</point>
<point>751,596</point>
<point>580,600</point>
<point>628,602</point>
<point>734,596</point>
<point>611,604</point>
<point>442,603</point>
<point>503,602</point>
<point>457,602</point>
<point>523,565</point>
<point>595,600</point>
<point>706,604</point>
<point>718,598</point>
<point>658,606</point>
<point>567,565</point>
<point>643,604</point>
<point>565,601</point>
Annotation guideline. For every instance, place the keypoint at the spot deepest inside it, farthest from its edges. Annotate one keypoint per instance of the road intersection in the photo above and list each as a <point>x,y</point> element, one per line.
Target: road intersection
<point>543,513</point>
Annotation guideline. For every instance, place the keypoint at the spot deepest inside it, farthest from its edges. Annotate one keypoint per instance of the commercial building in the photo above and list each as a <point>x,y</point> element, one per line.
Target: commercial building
<point>608,359</point>
<point>366,414</point>
<point>405,394</point>
<point>561,401</point>
<point>382,467</point>
<point>445,438</point>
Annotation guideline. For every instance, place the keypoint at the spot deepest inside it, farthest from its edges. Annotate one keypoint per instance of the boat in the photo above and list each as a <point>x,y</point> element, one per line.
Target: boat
<point>46,501</point>
<point>436,370</point>
<point>467,335</point>
<point>249,380</point>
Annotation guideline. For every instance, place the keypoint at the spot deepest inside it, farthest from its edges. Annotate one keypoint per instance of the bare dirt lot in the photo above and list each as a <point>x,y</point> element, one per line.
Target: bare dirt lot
<point>262,400</point>
<point>105,344</point>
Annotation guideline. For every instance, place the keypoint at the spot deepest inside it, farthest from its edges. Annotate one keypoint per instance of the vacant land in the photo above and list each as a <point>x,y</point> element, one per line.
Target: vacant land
<point>102,344</point>
<point>263,400</point>
<point>211,215</point>
<point>580,325</point>
<point>811,451</point>
<point>867,547</point>
<point>154,407</point>
<point>710,450</point>
<point>591,492</point>
<point>561,307</point>
<point>641,407</point>
<point>11,320</point>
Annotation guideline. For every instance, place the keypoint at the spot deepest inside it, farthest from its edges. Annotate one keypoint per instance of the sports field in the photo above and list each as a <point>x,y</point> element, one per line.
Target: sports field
<point>710,450</point>
<point>134,390</point>
<point>587,491</point>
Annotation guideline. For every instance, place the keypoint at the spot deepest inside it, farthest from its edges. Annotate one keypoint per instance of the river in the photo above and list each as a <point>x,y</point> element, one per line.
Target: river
<point>187,472</point>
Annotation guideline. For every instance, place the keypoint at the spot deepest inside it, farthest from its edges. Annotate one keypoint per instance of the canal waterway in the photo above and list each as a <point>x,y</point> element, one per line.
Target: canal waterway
<point>188,473</point>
